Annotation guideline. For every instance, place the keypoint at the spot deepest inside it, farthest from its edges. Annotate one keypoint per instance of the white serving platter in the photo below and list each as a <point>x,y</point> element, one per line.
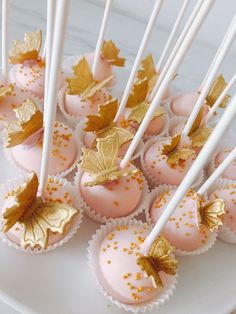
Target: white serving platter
<point>60,282</point>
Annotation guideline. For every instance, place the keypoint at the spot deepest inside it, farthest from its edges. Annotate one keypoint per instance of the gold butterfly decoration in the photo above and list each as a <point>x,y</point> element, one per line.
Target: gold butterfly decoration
<point>102,164</point>
<point>29,49</point>
<point>111,54</point>
<point>83,83</point>
<point>5,91</point>
<point>217,88</point>
<point>212,213</point>
<point>148,70</point>
<point>35,216</point>
<point>137,101</point>
<point>174,154</point>
<point>29,121</point>
<point>159,259</point>
<point>198,133</point>
<point>103,124</point>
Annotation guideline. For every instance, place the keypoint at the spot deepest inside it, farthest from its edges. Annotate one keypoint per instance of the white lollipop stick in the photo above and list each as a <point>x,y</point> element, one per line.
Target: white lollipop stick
<point>101,37</point>
<point>5,17</point>
<point>175,49</point>
<point>220,99</point>
<point>221,55</point>
<point>203,157</point>
<point>172,34</point>
<point>216,174</point>
<point>172,69</point>
<point>51,6</point>
<point>217,55</point>
<point>138,58</point>
<point>57,52</point>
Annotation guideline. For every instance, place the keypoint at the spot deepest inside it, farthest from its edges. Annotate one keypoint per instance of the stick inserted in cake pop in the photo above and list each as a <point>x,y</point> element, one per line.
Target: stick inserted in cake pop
<point>57,52</point>
<point>5,17</point>
<point>101,36</point>
<point>138,58</point>
<point>220,99</point>
<point>173,33</point>
<point>51,7</point>
<point>221,54</point>
<point>203,157</point>
<point>172,69</point>
<point>175,49</point>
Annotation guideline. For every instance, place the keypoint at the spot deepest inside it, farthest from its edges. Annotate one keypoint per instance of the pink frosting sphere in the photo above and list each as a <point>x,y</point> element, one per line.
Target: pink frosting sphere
<point>155,127</point>
<point>12,101</point>
<point>182,230</point>
<point>182,104</point>
<point>54,192</point>
<point>230,171</point>
<point>115,199</point>
<point>63,154</point>
<point>31,76</point>
<point>104,68</point>
<point>157,165</point>
<point>76,107</point>
<point>227,193</point>
<point>122,277</point>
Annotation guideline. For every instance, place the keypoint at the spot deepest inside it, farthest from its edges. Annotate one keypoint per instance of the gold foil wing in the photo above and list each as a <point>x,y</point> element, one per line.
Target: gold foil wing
<point>5,91</point>
<point>180,155</point>
<point>198,121</point>
<point>212,214</point>
<point>139,112</point>
<point>111,54</point>
<point>27,50</point>
<point>47,216</point>
<point>216,89</point>
<point>29,121</point>
<point>200,137</point>
<point>103,163</point>
<point>104,118</point>
<point>148,68</point>
<point>172,146</point>
<point>84,84</point>
<point>123,135</point>
<point>24,197</point>
<point>159,259</point>
<point>138,93</point>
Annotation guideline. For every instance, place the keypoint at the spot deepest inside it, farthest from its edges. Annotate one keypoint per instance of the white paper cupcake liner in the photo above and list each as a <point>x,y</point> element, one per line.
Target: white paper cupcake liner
<point>81,133</point>
<point>224,233</point>
<point>76,134</point>
<point>152,181</point>
<point>102,219</point>
<point>151,198</point>
<point>164,131</point>
<point>93,253</point>
<point>12,184</point>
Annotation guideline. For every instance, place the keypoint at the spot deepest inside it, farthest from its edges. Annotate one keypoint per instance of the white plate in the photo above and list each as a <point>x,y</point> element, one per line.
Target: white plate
<point>60,282</point>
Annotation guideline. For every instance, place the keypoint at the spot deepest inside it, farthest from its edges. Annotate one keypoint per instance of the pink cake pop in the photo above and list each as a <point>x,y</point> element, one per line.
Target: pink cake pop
<point>230,171</point>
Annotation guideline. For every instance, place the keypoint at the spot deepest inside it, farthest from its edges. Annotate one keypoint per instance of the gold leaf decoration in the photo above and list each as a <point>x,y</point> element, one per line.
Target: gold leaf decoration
<point>123,135</point>
<point>170,147</point>
<point>111,54</point>
<point>24,197</point>
<point>212,214</point>
<point>29,121</point>
<point>103,163</point>
<point>148,69</point>
<point>159,259</point>
<point>84,84</point>
<point>35,216</point>
<point>138,93</point>
<point>27,50</point>
<point>179,155</point>
<point>200,137</point>
<point>217,88</point>
<point>138,113</point>
<point>104,118</point>
<point>5,91</point>
<point>198,121</point>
